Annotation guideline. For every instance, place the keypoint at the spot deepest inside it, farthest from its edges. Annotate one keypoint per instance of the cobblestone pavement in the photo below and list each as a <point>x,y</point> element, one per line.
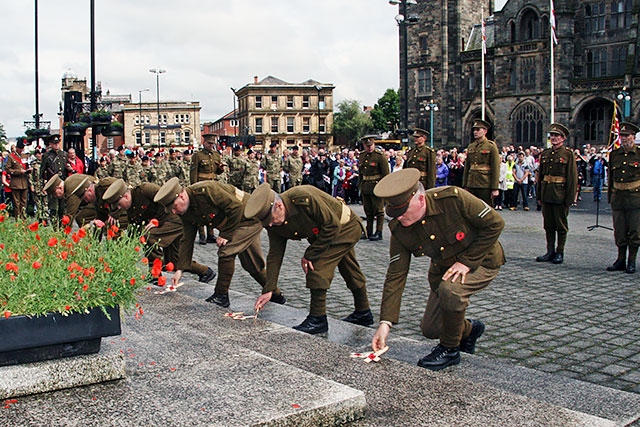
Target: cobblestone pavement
<point>576,319</point>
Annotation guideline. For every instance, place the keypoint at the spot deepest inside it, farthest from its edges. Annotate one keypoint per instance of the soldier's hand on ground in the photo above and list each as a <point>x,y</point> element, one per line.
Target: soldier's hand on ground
<point>379,340</point>
<point>221,241</point>
<point>306,265</point>
<point>457,270</point>
<point>262,301</point>
<point>176,277</point>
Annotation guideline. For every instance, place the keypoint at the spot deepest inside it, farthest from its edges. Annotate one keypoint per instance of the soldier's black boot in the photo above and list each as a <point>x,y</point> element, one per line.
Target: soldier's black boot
<point>549,256</point>
<point>208,276</point>
<point>468,344</point>
<point>558,258</point>
<point>440,357</point>
<point>376,236</point>
<point>631,262</point>
<point>278,299</point>
<point>362,318</point>
<point>313,325</point>
<point>620,263</point>
<point>203,240</point>
<point>220,299</point>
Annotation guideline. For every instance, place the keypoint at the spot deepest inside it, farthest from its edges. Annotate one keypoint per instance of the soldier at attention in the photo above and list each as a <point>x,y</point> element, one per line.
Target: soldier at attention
<point>373,167</point>
<point>206,164</point>
<point>624,196</point>
<point>557,185</point>
<point>482,166</point>
<point>272,165</point>
<point>332,230</point>
<point>459,232</point>
<point>217,205</point>
<point>422,158</point>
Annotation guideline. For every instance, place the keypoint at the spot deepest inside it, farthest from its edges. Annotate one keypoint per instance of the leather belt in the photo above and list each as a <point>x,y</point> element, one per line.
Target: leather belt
<point>206,176</point>
<point>626,185</point>
<point>372,177</point>
<point>480,168</point>
<point>554,179</point>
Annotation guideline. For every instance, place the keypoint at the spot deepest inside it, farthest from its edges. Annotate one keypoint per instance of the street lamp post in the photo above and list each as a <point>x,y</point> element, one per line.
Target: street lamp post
<point>318,88</point>
<point>625,99</point>
<point>140,121</point>
<point>431,107</point>
<point>157,72</point>
<point>234,123</point>
<point>403,21</point>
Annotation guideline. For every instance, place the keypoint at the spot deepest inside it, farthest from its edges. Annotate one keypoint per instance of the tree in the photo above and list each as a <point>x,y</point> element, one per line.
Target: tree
<point>3,137</point>
<point>386,113</point>
<point>350,123</point>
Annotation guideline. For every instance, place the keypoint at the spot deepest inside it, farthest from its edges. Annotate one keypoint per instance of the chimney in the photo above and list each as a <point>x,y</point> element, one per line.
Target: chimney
<point>255,80</point>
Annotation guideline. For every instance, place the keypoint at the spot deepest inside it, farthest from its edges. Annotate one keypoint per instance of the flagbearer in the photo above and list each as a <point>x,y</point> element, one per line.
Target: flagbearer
<point>624,196</point>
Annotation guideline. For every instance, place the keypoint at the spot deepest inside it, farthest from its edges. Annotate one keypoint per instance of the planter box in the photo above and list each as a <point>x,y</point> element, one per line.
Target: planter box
<point>112,131</point>
<point>30,339</point>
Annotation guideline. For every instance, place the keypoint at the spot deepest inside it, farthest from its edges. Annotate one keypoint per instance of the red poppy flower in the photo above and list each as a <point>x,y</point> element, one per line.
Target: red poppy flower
<point>37,237</point>
<point>113,294</point>
<point>52,242</point>
<point>65,220</point>
<point>154,222</point>
<point>75,237</point>
<point>157,263</point>
<point>3,206</point>
<point>162,280</point>
<point>169,266</point>
<point>145,260</point>
<point>137,248</point>
<point>1,245</point>
<point>460,235</point>
<point>143,240</point>
<point>67,307</point>
<point>85,287</point>
<point>212,215</point>
<point>67,230</point>
<point>132,281</point>
<point>33,226</point>
<point>11,267</point>
<point>64,255</point>
<point>82,233</point>
<point>114,228</point>
<point>315,230</point>
<point>1,218</point>
<point>7,313</point>
<point>36,265</point>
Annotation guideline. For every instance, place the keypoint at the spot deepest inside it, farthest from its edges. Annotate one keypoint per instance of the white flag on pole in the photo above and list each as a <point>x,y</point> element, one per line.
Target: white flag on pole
<point>552,22</point>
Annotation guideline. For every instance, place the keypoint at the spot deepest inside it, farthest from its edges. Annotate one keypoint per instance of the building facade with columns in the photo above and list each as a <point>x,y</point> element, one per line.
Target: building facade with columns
<point>273,110</point>
<point>596,62</point>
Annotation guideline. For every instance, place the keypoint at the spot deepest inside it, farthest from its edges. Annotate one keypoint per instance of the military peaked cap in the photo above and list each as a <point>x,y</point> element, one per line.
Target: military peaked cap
<point>397,189</point>
<point>115,191</point>
<point>627,128</point>
<point>559,129</point>
<point>479,123</point>
<point>168,193</point>
<point>260,203</point>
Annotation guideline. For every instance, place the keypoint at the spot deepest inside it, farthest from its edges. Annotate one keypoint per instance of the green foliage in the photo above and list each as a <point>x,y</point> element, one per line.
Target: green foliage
<point>46,269</point>
<point>386,113</point>
<point>350,123</point>
<point>3,137</point>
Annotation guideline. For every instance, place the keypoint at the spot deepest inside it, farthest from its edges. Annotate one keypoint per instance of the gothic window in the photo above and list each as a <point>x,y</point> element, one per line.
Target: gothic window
<point>512,28</point>
<point>597,116</point>
<point>529,26</point>
<point>596,64</point>
<point>594,17</point>
<point>528,70</point>
<point>424,81</point>
<point>620,14</point>
<point>618,60</point>
<point>528,121</point>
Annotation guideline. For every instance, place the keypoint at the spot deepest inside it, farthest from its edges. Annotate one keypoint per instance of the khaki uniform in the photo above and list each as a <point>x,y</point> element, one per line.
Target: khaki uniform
<point>556,188</point>
<point>456,227</point>
<point>83,213</point>
<point>272,165</point>
<point>164,241</point>
<point>624,196</point>
<point>221,206</point>
<point>19,184</point>
<point>205,166</point>
<point>293,166</point>
<point>332,230</point>
<point>373,167</point>
<point>423,159</point>
<point>482,169</point>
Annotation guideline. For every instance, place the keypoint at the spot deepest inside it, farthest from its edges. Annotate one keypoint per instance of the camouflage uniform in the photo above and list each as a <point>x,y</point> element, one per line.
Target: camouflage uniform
<point>133,174</point>
<point>237,170</point>
<point>251,180</point>
<point>102,172</point>
<point>39,197</point>
<point>223,176</point>
<point>117,165</point>
<point>175,169</point>
<point>185,165</point>
<point>162,171</point>
<point>272,165</point>
<point>293,166</point>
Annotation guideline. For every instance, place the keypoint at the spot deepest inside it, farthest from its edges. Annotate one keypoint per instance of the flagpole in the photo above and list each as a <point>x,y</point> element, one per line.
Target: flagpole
<point>484,44</point>
<point>551,43</point>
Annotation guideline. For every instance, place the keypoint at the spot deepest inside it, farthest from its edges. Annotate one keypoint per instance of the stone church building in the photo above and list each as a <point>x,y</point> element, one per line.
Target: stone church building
<point>596,62</point>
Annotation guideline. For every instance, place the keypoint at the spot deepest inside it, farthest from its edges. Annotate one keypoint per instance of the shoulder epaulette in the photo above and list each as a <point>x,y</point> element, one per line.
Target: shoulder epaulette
<point>442,192</point>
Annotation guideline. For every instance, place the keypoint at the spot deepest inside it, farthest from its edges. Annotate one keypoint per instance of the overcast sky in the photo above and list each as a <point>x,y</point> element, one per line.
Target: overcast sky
<point>207,47</point>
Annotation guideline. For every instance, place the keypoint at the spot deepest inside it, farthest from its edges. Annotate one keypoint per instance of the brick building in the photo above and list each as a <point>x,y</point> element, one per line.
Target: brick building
<point>595,60</point>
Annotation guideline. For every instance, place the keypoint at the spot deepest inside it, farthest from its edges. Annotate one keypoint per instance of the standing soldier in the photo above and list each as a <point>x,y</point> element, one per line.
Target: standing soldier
<point>19,184</point>
<point>206,164</point>
<point>103,169</point>
<point>119,162</point>
<point>332,230</point>
<point>37,187</point>
<point>251,180</point>
<point>293,166</point>
<point>222,206</point>
<point>373,167</point>
<point>459,232</point>
<point>133,171</point>
<point>174,165</point>
<point>624,196</point>
<point>482,166</point>
<point>557,184</point>
<point>185,164</point>
<point>226,154</point>
<point>422,158</point>
<point>237,167</point>
<point>54,162</point>
<point>272,165</point>
<point>160,168</point>
<point>147,170</point>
